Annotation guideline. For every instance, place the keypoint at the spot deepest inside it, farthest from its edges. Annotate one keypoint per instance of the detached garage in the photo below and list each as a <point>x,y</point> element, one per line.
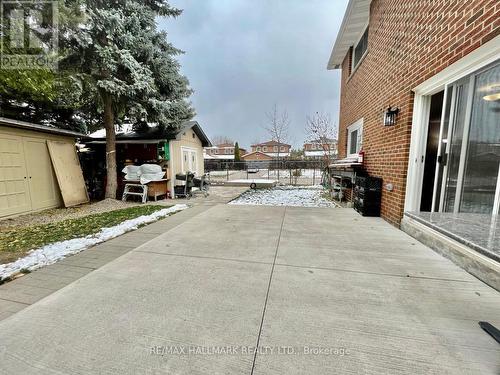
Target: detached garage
<point>31,172</point>
<point>176,150</point>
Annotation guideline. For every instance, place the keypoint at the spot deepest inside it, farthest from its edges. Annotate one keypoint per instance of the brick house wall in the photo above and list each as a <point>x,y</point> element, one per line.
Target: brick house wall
<point>409,41</point>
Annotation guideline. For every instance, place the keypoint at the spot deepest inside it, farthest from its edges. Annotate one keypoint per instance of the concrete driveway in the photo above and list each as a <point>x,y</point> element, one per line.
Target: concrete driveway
<point>318,291</point>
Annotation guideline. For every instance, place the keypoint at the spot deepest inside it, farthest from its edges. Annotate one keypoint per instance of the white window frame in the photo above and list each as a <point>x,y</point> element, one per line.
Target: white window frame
<point>358,125</point>
<point>474,61</point>
<point>355,66</point>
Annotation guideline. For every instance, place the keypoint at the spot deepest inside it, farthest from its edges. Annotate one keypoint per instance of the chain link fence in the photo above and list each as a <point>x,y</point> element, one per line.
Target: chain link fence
<point>288,172</point>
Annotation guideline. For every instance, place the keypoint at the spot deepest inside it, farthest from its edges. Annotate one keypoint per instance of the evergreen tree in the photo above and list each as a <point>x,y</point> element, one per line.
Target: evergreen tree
<point>237,156</point>
<point>129,69</point>
<point>42,94</point>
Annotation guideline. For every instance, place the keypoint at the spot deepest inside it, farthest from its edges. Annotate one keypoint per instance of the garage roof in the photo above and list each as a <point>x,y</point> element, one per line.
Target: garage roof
<point>152,134</point>
<point>39,128</point>
<point>355,19</point>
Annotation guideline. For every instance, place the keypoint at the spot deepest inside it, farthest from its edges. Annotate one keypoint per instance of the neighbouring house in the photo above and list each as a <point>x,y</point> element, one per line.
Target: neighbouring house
<point>420,96</point>
<point>177,150</point>
<point>318,149</point>
<point>223,152</point>
<point>29,156</point>
<point>273,149</point>
<point>257,156</point>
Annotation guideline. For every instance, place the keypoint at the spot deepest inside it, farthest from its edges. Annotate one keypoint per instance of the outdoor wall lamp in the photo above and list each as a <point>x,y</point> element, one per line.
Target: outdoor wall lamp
<point>390,116</point>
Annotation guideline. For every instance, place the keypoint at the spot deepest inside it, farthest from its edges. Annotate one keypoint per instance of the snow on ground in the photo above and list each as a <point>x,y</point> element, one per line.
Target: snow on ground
<point>304,173</point>
<point>295,196</point>
<point>51,253</point>
<point>222,173</point>
<point>256,180</point>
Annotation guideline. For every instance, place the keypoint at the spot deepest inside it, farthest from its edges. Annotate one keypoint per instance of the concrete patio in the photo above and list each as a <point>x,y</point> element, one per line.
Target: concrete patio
<point>318,291</point>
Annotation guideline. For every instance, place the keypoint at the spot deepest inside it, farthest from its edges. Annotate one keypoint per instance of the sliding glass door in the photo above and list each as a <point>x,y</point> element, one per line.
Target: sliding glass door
<point>482,159</point>
<point>455,142</point>
<point>468,170</point>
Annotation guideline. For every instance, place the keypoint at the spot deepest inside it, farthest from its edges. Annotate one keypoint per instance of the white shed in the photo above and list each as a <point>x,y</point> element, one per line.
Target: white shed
<point>27,178</point>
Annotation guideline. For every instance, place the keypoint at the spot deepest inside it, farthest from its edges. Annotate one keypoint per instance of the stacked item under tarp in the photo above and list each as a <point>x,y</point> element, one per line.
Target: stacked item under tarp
<point>144,173</point>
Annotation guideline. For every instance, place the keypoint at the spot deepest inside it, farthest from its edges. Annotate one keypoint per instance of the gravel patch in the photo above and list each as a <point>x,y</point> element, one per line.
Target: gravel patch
<point>285,196</point>
<point>221,194</point>
<point>58,214</point>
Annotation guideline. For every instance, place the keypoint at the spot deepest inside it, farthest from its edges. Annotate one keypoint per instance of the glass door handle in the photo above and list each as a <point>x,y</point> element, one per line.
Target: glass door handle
<point>443,159</point>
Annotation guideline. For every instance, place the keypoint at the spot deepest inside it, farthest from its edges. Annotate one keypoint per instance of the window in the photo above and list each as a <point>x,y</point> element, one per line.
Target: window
<point>354,138</point>
<point>275,148</point>
<point>359,49</point>
<point>282,148</point>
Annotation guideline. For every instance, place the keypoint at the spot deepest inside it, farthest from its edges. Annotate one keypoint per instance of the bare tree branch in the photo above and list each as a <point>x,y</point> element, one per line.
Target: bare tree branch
<point>320,129</point>
<point>278,128</point>
<point>278,124</point>
<point>221,139</point>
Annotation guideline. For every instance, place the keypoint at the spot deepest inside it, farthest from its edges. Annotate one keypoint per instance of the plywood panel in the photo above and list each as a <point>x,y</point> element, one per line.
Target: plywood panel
<point>44,188</point>
<point>68,172</point>
<point>14,188</point>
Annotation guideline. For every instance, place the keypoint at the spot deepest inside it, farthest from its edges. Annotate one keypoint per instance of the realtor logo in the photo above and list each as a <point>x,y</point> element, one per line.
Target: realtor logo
<point>28,34</point>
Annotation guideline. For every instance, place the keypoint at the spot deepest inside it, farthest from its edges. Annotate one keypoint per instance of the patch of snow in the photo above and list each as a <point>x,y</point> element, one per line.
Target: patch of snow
<point>255,180</point>
<point>101,133</point>
<point>221,173</point>
<point>51,253</point>
<point>293,196</point>
<point>304,173</point>
<point>123,129</point>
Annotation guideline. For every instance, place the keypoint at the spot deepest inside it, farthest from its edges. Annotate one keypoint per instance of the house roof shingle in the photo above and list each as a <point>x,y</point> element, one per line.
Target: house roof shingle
<point>40,128</point>
<point>271,143</point>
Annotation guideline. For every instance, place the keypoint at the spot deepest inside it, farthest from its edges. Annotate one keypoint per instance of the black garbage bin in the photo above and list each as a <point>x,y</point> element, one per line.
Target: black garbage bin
<point>368,195</point>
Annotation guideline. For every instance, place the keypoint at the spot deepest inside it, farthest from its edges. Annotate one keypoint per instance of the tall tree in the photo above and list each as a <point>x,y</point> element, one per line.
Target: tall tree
<point>237,156</point>
<point>41,93</point>
<point>130,69</point>
<point>278,127</point>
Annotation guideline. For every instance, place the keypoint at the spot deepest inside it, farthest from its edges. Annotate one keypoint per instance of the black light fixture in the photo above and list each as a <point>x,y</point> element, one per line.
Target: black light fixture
<point>390,116</point>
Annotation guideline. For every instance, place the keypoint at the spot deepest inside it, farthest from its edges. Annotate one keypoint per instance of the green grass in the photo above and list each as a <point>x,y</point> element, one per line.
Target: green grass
<point>16,242</point>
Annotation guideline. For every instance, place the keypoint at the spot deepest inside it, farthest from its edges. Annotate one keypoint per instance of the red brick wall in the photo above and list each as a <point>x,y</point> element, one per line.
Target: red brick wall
<point>409,41</point>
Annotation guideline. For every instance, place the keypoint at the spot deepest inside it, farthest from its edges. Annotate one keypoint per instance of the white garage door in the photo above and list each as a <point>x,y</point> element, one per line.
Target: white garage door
<point>14,187</point>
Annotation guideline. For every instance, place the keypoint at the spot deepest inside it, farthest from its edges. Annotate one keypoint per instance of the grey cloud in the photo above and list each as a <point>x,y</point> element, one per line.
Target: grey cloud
<point>243,56</point>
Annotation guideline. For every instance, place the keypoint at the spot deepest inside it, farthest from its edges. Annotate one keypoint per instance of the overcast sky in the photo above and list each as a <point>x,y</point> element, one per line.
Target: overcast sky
<point>243,56</point>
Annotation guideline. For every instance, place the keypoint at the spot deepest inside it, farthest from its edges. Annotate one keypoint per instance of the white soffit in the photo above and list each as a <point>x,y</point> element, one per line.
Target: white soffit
<point>355,20</point>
